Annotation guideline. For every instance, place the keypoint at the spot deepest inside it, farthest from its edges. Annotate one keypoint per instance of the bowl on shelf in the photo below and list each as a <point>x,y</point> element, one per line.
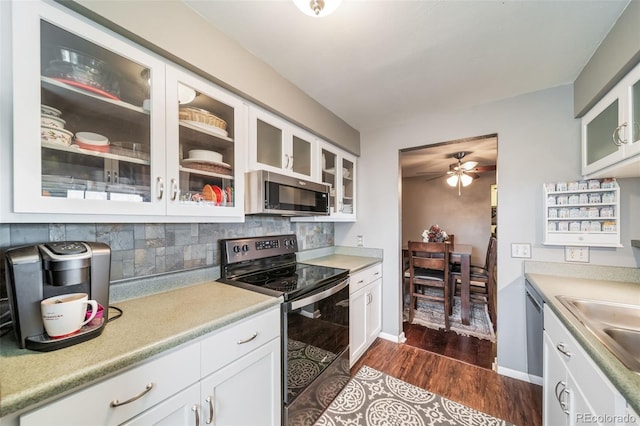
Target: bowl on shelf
<point>205,155</point>
<point>55,135</point>
<point>92,141</point>
<point>50,111</point>
<point>86,71</point>
<point>201,116</point>
<point>52,121</point>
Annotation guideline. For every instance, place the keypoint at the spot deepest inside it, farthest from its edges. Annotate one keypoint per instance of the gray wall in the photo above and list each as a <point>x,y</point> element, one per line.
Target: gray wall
<point>467,216</point>
<point>538,142</point>
<point>615,56</point>
<point>175,29</point>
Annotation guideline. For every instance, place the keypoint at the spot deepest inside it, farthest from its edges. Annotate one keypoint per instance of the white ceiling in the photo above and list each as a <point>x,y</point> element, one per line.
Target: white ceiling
<point>376,61</point>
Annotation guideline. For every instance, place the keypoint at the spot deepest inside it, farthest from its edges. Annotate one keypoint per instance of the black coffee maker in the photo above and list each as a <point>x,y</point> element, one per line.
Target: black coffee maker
<point>46,270</point>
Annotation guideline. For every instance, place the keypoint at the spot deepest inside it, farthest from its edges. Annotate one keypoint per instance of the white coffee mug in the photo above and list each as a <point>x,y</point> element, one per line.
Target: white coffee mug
<point>65,314</point>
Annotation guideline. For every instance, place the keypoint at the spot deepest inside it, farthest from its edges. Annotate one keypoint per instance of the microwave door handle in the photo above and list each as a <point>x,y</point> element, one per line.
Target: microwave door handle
<point>318,296</point>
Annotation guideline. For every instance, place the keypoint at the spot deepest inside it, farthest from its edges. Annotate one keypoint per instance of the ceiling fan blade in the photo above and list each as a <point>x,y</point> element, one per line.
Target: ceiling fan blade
<point>469,165</point>
<point>434,177</point>
<point>481,169</point>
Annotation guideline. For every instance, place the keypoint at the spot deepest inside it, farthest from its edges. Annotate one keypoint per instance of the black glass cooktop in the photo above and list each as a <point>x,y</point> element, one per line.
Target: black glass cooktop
<point>292,280</point>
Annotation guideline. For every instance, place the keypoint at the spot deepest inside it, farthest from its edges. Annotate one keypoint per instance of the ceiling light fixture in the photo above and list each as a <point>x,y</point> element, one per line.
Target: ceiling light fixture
<point>317,8</point>
<point>458,176</point>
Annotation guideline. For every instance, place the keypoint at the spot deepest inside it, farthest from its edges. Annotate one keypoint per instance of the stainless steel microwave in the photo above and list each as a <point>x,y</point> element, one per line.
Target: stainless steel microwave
<point>276,194</point>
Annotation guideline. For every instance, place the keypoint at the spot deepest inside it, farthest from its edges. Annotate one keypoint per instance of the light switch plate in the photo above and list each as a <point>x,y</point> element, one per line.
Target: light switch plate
<point>521,250</point>
<point>576,254</point>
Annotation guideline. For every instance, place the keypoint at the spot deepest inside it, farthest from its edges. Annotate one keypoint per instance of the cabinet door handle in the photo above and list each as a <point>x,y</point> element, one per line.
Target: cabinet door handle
<point>286,165</point>
<point>560,347</point>
<point>195,409</point>
<point>160,188</point>
<point>564,404</point>
<point>242,342</point>
<point>210,401</point>
<point>291,166</point>
<point>617,140</point>
<point>147,389</point>
<point>174,189</point>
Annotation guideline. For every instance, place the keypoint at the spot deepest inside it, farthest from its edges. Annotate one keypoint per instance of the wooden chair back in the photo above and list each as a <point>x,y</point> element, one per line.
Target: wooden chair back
<point>433,256</point>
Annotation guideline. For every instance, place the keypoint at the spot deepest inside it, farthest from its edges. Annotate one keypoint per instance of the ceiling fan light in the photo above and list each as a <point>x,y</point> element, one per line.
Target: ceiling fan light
<point>466,179</point>
<point>317,8</point>
<point>452,180</point>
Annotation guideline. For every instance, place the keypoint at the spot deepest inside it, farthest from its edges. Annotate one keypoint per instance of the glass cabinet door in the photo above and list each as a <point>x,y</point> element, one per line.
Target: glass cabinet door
<point>634,125</point>
<point>348,187</point>
<point>204,133</point>
<point>279,146</point>
<point>301,159</point>
<point>269,144</point>
<point>90,97</point>
<point>329,163</point>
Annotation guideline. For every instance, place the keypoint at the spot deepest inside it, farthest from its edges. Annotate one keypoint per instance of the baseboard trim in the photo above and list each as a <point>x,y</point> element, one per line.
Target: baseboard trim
<point>393,338</point>
<point>520,375</point>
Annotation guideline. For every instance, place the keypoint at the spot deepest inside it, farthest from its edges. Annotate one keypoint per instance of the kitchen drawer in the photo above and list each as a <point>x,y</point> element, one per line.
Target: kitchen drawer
<point>239,339</point>
<point>92,406</point>
<point>602,396</point>
<point>366,276</point>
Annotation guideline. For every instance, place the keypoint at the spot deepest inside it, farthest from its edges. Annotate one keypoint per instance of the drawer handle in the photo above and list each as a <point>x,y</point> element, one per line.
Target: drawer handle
<point>195,409</point>
<point>560,347</point>
<point>147,389</point>
<point>210,401</point>
<point>242,342</point>
<point>360,282</point>
<point>377,273</point>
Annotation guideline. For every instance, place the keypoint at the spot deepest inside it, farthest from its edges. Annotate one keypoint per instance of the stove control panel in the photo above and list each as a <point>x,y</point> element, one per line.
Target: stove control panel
<point>243,249</point>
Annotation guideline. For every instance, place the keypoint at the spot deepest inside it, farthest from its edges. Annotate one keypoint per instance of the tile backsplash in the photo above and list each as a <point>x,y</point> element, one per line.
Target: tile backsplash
<point>139,250</point>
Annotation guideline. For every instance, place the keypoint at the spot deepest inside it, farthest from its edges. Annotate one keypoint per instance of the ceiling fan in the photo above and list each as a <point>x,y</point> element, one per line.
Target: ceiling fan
<point>462,174</point>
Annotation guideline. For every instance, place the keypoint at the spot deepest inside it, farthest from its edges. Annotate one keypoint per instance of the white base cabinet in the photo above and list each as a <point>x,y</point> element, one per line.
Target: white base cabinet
<point>365,310</point>
<point>575,391</point>
<point>210,381</point>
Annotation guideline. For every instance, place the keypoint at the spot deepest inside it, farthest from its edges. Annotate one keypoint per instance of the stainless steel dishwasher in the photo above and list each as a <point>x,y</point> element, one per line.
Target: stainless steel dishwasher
<point>535,326</point>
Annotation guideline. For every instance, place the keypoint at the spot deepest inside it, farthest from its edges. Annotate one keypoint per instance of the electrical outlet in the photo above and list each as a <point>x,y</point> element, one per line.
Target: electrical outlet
<point>521,250</point>
<point>576,254</point>
<point>360,241</point>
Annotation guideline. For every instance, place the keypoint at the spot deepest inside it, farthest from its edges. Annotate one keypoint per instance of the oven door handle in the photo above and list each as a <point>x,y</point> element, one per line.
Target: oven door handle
<point>318,296</point>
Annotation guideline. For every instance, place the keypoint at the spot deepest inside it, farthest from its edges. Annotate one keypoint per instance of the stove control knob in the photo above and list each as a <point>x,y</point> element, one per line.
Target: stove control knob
<point>290,243</point>
<point>245,248</point>
<point>236,249</point>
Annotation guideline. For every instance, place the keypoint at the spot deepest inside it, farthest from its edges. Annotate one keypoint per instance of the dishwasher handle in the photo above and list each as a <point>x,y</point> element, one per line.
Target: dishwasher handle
<point>534,300</point>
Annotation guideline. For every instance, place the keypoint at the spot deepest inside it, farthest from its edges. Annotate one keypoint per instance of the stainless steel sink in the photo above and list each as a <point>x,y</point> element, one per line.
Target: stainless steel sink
<point>616,325</point>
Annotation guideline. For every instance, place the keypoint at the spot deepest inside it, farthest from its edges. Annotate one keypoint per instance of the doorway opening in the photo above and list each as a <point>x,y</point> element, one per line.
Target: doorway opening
<point>453,185</point>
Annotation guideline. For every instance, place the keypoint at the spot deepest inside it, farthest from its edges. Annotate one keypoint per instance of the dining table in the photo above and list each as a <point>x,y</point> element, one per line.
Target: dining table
<point>461,254</point>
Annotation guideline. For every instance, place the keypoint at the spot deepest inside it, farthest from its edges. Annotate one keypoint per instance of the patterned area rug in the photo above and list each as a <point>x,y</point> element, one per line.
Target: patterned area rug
<point>373,398</point>
<point>431,315</point>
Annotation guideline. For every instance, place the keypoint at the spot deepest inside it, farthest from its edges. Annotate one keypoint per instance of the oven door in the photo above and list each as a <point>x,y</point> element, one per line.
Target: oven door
<point>315,350</point>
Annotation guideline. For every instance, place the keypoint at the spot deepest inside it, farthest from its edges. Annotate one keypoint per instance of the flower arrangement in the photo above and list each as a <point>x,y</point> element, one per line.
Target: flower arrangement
<point>434,234</point>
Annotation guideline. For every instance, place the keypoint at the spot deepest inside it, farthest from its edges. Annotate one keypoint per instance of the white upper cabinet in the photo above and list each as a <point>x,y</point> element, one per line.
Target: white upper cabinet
<point>611,132</point>
<point>277,145</point>
<point>338,169</point>
<point>99,128</point>
<point>206,140</point>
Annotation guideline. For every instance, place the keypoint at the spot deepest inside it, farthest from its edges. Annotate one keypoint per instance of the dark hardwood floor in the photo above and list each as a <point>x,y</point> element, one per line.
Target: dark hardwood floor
<point>480,388</point>
<point>450,344</point>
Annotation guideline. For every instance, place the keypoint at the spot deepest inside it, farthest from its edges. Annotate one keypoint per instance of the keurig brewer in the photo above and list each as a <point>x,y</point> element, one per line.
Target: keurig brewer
<point>46,270</point>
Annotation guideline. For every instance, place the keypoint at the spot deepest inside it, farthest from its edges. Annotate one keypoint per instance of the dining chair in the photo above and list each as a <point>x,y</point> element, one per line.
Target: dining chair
<point>429,272</point>
<point>482,285</point>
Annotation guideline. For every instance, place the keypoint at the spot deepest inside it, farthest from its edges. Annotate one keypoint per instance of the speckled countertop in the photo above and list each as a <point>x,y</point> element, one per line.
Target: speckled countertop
<point>550,286</point>
<point>149,325</point>
<point>344,261</point>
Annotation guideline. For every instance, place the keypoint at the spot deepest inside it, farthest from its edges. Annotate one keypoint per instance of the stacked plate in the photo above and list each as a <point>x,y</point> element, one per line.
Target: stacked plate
<point>52,126</point>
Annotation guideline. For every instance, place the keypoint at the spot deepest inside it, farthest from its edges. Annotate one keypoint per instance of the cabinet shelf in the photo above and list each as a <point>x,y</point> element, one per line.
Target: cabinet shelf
<point>205,173</point>
<point>79,96</point>
<point>113,156</point>
<point>200,133</point>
